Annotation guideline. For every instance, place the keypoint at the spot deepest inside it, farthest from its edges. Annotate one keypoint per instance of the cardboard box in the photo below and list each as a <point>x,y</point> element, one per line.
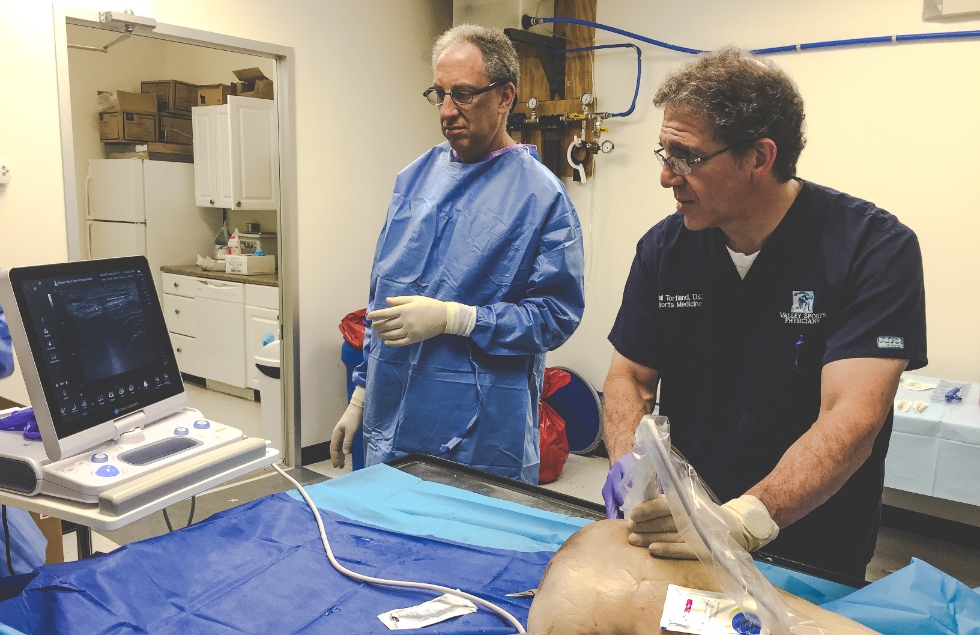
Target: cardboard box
<point>175,129</point>
<point>214,95</point>
<point>252,82</point>
<point>172,95</point>
<point>250,265</point>
<point>51,528</point>
<point>120,100</point>
<point>127,126</point>
<point>128,117</point>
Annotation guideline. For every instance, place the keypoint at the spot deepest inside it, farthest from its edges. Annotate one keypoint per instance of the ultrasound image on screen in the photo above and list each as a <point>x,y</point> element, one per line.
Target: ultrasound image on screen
<point>107,325</point>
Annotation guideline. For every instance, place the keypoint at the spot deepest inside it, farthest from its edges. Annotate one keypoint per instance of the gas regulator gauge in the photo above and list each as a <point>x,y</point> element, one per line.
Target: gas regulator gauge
<point>532,103</point>
<point>607,146</point>
<point>586,99</point>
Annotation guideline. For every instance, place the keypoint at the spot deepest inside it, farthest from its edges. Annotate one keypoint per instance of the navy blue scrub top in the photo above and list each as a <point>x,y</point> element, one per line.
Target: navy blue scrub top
<point>740,360</point>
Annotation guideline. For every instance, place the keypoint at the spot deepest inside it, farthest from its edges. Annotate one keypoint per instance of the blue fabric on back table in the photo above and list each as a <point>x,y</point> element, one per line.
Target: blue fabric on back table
<point>406,503</point>
<point>918,599</point>
<point>808,587</point>
<point>260,568</point>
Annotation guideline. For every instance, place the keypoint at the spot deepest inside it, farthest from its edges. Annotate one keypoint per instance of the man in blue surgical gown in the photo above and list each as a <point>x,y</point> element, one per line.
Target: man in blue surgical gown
<point>478,273</point>
<point>27,543</point>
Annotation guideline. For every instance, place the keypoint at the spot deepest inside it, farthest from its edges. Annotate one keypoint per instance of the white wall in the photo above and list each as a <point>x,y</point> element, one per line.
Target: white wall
<point>360,69</point>
<point>892,124</point>
<point>895,124</point>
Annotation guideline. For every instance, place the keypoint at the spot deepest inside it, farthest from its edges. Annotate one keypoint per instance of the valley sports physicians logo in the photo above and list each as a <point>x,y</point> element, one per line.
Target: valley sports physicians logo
<point>801,309</point>
<point>802,302</point>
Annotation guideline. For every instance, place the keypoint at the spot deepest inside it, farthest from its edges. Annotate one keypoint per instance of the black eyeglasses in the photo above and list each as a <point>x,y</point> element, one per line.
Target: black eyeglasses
<point>683,166</point>
<point>460,95</point>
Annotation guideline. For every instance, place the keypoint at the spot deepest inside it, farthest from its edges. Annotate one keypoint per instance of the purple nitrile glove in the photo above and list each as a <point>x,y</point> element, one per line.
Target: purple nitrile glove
<point>22,421</point>
<point>612,491</point>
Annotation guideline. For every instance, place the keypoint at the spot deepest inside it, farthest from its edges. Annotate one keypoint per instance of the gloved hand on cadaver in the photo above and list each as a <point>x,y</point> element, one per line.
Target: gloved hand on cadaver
<point>651,525</point>
<point>413,318</point>
<point>343,433</point>
<point>612,491</point>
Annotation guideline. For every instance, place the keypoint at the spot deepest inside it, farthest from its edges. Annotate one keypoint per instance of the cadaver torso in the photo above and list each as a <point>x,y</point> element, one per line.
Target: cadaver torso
<point>599,584</point>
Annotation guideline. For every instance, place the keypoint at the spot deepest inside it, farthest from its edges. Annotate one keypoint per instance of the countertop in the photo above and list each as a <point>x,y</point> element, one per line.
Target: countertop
<point>265,279</point>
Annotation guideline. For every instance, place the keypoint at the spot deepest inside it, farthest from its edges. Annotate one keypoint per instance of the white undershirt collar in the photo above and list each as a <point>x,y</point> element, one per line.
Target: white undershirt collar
<point>742,261</point>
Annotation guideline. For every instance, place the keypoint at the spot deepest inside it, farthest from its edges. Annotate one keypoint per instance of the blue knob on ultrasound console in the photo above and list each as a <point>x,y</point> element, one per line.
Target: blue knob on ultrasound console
<point>202,424</point>
<point>100,458</point>
<point>107,470</point>
<point>181,431</point>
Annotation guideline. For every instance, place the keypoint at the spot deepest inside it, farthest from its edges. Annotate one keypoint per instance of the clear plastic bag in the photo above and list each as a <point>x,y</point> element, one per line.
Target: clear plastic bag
<point>951,392</point>
<point>640,481</point>
<point>655,468</point>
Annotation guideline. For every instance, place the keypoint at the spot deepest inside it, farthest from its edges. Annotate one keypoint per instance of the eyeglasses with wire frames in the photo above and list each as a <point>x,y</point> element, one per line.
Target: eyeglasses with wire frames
<point>460,95</point>
<point>681,166</point>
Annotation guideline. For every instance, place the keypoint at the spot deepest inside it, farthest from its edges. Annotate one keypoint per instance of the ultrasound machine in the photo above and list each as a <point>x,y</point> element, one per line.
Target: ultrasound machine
<point>110,405</point>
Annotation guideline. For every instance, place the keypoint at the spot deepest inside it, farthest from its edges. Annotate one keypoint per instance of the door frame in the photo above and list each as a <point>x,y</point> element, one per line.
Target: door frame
<point>285,91</point>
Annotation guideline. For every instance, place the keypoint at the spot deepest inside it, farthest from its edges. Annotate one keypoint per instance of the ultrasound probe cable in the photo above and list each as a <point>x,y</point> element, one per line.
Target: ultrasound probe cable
<point>365,578</point>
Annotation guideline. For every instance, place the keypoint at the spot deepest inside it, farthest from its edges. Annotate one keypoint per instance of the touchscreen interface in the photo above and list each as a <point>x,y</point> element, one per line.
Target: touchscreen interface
<point>99,340</point>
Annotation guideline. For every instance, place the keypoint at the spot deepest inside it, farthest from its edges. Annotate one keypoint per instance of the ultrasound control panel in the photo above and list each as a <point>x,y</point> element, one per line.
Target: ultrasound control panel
<point>183,435</point>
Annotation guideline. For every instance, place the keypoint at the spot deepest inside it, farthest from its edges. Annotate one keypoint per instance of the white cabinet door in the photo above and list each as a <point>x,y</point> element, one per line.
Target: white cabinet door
<point>205,179</point>
<point>219,340</point>
<point>262,296</point>
<point>179,314</point>
<point>254,153</point>
<point>185,351</point>
<point>178,285</point>
<point>223,156</point>
<point>258,324</point>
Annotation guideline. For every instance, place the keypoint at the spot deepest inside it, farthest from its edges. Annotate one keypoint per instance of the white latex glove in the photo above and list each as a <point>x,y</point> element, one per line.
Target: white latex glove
<point>651,525</point>
<point>413,318</point>
<point>343,433</point>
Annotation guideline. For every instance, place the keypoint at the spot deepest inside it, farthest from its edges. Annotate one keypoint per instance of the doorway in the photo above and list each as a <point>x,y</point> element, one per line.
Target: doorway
<point>170,224</point>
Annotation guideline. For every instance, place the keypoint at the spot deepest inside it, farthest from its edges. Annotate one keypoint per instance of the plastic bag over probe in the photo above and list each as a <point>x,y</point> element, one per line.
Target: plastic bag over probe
<point>656,468</point>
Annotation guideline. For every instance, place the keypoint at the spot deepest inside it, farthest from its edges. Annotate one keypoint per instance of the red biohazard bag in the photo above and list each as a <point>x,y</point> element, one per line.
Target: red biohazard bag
<point>551,428</point>
<point>352,327</point>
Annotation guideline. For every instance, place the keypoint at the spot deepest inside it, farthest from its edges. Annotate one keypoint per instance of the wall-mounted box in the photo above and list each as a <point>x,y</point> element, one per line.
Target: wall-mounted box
<point>503,14</point>
<point>935,9</point>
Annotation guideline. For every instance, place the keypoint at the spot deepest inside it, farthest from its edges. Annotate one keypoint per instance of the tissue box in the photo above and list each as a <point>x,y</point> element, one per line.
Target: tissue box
<point>250,265</point>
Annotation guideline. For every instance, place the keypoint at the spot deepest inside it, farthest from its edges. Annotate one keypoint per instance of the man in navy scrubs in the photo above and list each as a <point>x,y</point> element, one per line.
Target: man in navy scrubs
<point>776,315</point>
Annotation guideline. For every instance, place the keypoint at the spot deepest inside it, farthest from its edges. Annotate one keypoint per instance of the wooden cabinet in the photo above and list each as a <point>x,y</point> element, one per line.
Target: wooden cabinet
<point>236,154</point>
<point>217,327</point>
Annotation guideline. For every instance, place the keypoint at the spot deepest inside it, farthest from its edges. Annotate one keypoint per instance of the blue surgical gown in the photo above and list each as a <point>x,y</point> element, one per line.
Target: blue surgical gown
<point>6,348</point>
<point>27,543</point>
<point>500,235</point>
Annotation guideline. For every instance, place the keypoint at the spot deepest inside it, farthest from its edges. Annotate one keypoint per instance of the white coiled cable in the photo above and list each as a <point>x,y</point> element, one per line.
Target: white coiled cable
<point>370,580</point>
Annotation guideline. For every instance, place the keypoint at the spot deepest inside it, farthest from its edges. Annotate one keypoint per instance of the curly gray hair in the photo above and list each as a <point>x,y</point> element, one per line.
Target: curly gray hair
<point>745,97</point>
<point>499,55</point>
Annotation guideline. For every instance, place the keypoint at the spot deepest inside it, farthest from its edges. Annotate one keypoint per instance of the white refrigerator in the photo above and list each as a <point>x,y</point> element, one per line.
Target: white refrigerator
<point>140,207</point>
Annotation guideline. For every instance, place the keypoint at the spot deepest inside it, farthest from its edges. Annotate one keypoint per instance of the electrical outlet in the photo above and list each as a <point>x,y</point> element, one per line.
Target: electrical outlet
<point>4,172</point>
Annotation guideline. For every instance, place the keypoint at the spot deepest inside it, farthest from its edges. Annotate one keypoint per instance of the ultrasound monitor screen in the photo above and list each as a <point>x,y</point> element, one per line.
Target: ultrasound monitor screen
<point>99,340</point>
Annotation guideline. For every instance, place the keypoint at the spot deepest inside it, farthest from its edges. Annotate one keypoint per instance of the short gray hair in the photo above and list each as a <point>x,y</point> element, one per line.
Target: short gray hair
<point>499,55</point>
<point>745,97</point>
